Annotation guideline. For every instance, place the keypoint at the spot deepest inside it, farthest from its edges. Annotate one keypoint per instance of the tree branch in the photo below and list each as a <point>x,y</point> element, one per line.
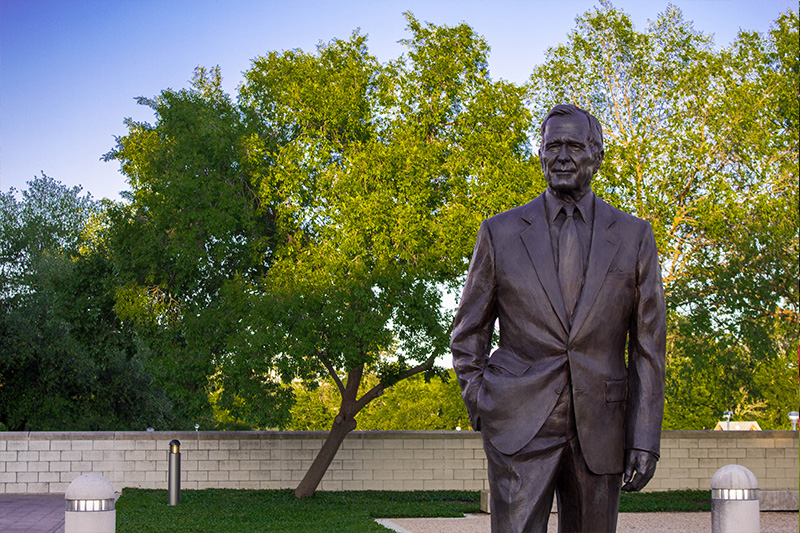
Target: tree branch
<point>331,372</point>
<point>378,389</point>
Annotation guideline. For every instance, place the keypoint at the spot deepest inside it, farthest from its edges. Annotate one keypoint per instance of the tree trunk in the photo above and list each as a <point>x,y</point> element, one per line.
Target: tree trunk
<point>341,427</point>
<point>345,421</point>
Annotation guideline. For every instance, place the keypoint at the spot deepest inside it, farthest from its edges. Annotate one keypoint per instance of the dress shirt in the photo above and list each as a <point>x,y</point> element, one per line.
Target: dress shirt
<point>583,220</point>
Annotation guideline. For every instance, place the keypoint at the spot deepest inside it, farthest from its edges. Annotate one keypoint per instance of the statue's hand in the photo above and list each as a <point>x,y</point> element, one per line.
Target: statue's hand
<point>643,464</point>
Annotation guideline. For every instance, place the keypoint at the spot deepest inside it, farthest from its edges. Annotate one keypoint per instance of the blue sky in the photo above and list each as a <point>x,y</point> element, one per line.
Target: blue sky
<point>70,69</point>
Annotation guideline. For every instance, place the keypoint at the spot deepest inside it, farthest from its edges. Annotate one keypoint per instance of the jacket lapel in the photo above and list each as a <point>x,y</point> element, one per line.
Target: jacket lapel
<point>537,242</point>
<point>605,244</point>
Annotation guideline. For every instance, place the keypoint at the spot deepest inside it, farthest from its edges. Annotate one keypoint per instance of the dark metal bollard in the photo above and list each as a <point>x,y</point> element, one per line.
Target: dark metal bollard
<point>174,491</point>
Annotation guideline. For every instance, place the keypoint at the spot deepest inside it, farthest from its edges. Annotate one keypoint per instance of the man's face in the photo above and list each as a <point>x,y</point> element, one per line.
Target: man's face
<point>568,162</point>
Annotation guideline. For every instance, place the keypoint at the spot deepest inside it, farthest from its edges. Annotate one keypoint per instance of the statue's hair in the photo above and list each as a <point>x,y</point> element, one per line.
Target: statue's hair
<point>595,129</point>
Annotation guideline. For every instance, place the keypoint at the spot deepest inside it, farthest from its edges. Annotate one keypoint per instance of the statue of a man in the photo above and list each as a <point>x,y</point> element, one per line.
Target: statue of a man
<point>571,281</point>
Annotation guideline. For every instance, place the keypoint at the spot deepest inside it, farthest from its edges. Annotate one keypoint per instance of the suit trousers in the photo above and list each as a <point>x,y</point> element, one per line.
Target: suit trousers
<point>523,484</point>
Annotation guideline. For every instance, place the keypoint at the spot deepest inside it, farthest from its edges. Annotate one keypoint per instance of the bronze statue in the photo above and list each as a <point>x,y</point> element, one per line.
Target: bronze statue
<point>571,280</point>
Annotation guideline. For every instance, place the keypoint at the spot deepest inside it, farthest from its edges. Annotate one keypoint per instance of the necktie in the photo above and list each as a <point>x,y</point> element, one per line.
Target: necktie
<point>570,261</point>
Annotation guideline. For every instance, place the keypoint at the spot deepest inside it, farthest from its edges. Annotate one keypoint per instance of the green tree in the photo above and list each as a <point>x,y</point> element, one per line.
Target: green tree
<point>367,182</point>
<point>193,232</point>
<point>704,145</point>
<point>66,363</point>
<point>49,219</point>
<point>377,170</point>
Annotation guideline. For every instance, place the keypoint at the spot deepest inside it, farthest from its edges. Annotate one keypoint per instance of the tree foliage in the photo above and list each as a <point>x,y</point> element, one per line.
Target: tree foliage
<point>413,404</point>
<point>193,229</point>
<point>66,362</point>
<point>704,145</point>
<point>309,229</point>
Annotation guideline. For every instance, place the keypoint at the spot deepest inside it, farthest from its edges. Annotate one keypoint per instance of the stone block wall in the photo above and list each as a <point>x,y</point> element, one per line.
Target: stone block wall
<point>47,462</point>
<point>690,458</point>
<point>44,462</point>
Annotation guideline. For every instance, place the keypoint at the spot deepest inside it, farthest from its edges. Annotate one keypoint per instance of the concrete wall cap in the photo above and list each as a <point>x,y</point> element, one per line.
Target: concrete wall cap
<point>89,487</point>
<point>734,477</point>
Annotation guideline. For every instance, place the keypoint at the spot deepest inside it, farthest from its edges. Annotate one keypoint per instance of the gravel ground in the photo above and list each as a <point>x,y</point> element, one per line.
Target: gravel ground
<point>771,522</point>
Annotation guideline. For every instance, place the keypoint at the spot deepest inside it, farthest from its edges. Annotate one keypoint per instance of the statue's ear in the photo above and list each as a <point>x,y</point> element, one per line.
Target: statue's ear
<point>598,160</point>
<point>541,159</point>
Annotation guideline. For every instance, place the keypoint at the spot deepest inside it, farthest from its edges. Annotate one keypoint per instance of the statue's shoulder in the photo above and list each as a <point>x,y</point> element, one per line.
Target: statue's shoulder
<point>623,218</point>
<point>517,216</point>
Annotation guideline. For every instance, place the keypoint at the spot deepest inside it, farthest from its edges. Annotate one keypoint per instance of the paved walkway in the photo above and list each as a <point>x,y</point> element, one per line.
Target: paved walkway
<point>771,522</point>
<point>44,513</point>
<point>32,513</point>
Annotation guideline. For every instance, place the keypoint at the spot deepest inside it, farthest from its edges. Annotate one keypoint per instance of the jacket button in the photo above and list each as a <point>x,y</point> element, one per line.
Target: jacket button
<point>558,390</point>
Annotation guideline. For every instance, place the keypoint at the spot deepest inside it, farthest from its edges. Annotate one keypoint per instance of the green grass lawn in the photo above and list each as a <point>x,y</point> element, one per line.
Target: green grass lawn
<point>233,511</point>
<point>665,501</point>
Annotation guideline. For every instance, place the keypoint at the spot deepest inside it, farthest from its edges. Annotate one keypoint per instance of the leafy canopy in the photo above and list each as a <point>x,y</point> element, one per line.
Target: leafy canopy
<point>704,145</point>
<point>66,362</point>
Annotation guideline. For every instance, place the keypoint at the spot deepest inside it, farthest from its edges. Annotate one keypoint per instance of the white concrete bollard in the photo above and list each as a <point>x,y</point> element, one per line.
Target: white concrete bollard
<point>734,501</point>
<point>90,505</point>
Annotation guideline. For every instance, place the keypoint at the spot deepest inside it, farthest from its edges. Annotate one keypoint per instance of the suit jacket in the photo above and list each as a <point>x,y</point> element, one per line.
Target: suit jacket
<point>512,278</point>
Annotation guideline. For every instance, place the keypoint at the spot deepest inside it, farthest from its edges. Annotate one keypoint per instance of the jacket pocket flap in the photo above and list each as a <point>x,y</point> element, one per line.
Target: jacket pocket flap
<point>509,363</point>
<point>616,390</point>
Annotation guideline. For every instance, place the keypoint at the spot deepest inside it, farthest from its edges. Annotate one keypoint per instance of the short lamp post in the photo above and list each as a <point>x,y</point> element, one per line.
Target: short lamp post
<point>793,417</point>
<point>174,477</point>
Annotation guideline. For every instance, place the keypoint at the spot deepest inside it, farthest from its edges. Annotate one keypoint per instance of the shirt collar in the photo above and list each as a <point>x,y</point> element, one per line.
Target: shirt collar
<point>585,206</point>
